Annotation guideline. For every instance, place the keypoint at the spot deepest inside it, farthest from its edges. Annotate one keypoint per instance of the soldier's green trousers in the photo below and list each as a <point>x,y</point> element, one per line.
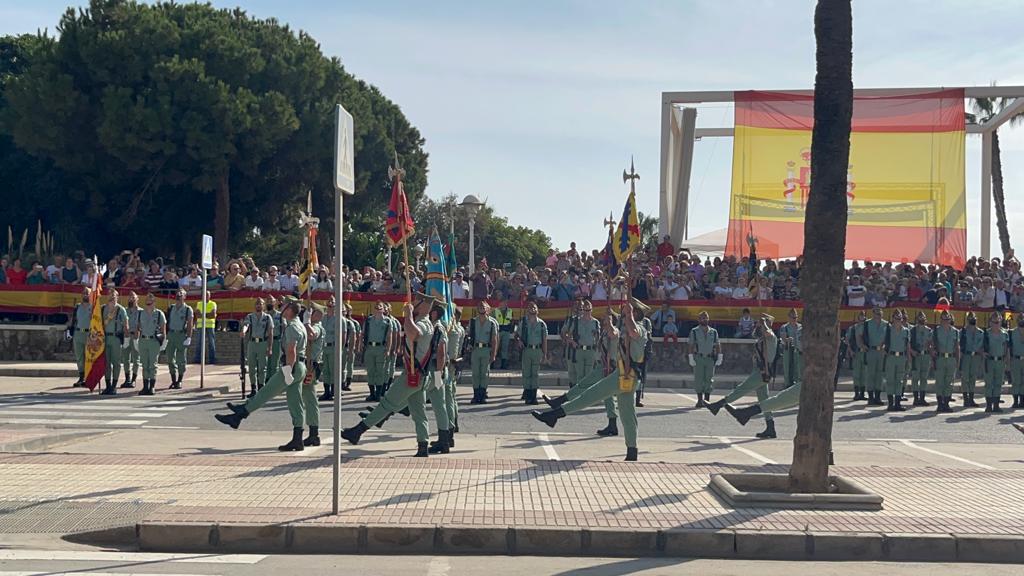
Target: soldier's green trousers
<point>504,345</point>
<point>328,365</point>
<point>130,360</point>
<point>399,396</point>
<point>752,383</point>
<point>275,386</point>
<point>531,367</point>
<point>373,358</point>
<point>994,377</point>
<point>176,354</point>
<point>79,340</point>
<point>350,363</point>
<point>438,401</point>
<point>256,360</point>
<point>392,365</point>
<point>451,401</point>
<point>113,352</point>
<point>895,374</point>
<point>604,388</point>
<point>796,360</point>
<point>858,370</point>
<point>570,364</point>
<point>1017,376</point>
<point>972,369</point>
<point>703,374</point>
<point>594,377</point>
<point>586,362</point>
<point>921,366</point>
<point>945,371</point>
<point>274,362</point>
<point>481,362</point>
<point>149,351</point>
<point>304,395</point>
<point>874,364</point>
<point>785,399</point>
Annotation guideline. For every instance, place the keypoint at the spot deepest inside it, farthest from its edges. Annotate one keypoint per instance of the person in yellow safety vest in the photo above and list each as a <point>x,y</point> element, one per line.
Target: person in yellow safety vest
<point>506,327</point>
<point>207,324</point>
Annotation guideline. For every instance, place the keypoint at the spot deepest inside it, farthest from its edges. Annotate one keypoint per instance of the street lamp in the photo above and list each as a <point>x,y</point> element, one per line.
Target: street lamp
<point>472,204</point>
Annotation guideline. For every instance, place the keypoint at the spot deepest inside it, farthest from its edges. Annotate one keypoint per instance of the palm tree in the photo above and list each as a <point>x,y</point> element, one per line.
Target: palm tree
<point>821,277</point>
<point>983,110</point>
<point>648,230</point>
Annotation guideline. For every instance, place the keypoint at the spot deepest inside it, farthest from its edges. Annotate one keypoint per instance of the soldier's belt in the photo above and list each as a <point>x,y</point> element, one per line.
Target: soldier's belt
<point>879,348</point>
<point>997,358</point>
<point>534,346</point>
<point>257,340</point>
<point>946,355</point>
<point>972,353</point>
<point>82,330</point>
<point>374,343</point>
<point>329,344</point>
<point>705,355</point>
<point>898,353</point>
<point>148,337</point>
<point>111,333</point>
<point>480,345</point>
<point>587,348</point>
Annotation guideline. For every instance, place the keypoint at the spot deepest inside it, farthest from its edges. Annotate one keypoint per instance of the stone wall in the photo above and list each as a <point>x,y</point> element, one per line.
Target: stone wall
<point>29,342</point>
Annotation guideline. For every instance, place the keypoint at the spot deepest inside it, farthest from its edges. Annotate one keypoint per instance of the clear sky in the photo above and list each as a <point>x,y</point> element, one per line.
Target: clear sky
<point>536,107</point>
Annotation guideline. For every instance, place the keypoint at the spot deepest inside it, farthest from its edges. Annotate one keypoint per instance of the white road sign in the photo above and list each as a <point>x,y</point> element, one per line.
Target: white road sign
<point>344,153</point>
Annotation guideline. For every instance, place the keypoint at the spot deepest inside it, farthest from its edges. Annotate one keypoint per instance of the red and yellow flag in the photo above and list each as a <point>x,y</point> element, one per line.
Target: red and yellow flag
<point>905,179</point>
<point>399,225</point>
<point>95,347</point>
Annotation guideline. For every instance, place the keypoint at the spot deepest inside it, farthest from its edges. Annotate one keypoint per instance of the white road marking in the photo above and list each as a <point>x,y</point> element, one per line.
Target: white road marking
<point>439,566</point>
<point>79,572</point>
<point>81,408</point>
<point>747,451</point>
<point>549,450</point>
<point>910,444</point>
<point>26,412</point>
<point>894,440</point>
<point>549,434</point>
<point>687,397</point>
<point>72,422</point>
<point>95,556</point>
<point>171,427</point>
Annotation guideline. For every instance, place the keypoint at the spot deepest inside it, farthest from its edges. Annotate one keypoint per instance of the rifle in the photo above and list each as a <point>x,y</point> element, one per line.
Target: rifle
<point>242,367</point>
<point>762,361</point>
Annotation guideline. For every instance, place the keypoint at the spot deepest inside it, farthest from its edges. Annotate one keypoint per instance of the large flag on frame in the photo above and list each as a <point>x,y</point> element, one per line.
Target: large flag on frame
<point>627,236</point>
<point>905,179</point>
<point>95,347</point>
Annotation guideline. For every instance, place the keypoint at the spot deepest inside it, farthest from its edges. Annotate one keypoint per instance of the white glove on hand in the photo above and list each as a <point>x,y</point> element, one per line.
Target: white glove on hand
<point>187,342</point>
<point>135,344</point>
<point>67,334</point>
<point>692,361</point>
<point>163,346</point>
<point>288,376</point>
<point>127,343</point>
<point>718,361</point>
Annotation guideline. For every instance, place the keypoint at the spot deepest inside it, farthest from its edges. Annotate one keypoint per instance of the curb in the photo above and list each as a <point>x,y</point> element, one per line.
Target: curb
<point>573,542</point>
<point>46,442</point>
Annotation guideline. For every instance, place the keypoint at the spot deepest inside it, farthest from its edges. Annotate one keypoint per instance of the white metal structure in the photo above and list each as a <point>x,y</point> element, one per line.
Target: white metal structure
<point>679,132</point>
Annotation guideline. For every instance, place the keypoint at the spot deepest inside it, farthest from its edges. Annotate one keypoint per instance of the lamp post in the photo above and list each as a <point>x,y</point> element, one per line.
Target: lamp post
<point>472,204</point>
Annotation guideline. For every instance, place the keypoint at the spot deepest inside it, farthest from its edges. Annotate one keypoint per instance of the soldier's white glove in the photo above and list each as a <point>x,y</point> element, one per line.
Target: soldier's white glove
<point>163,346</point>
<point>127,343</point>
<point>718,361</point>
<point>67,334</point>
<point>187,342</point>
<point>135,344</point>
<point>692,361</point>
<point>288,376</point>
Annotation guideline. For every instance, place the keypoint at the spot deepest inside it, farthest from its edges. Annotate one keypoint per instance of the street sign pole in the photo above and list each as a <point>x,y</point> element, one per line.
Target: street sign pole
<point>344,183</point>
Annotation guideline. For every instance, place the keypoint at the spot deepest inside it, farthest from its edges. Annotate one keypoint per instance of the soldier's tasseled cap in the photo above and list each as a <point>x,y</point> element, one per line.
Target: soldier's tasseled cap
<point>768,317</point>
<point>638,305</point>
<point>318,307</point>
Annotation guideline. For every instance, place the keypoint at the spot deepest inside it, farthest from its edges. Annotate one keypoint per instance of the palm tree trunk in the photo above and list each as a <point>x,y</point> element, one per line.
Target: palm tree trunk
<point>998,196</point>
<point>821,277</point>
<point>222,218</point>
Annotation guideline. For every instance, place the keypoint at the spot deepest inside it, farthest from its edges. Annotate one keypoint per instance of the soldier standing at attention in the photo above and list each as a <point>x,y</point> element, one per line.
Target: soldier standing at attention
<point>972,359</point>
<point>354,346</point>
<point>377,341</point>
<point>131,354</point>
<point>330,367</point>
<point>996,340</point>
<point>78,330</point>
<point>506,327</point>
<point>854,338</point>
<point>705,354</point>
<point>946,349</point>
<point>273,310</point>
<point>152,338</point>
<point>179,336</point>
<point>921,358</point>
<point>566,333</point>
<point>897,345</point>
<point>791,338</point>
<point>456,337</point>
<point>532,335</point>
<point>115,329</point>
<point>1017,363</point>
<point>258,330</point>
<point>391,359</point>
<point>873,343</point>
<point>306,393</point>
<point>483,340</point>
<point>584,340</point>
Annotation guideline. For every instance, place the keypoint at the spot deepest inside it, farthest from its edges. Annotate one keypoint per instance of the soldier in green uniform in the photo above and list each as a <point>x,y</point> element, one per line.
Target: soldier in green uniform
<point>179,335</point>
<point>873,343</point>
<point>306,393</point>
<point>621,384</point>
<point>292,373</point>
<point>765,348</point>
<point>258,331</point>
<point>115,329</point>
<point>273,310</point>
<point>391,356</point>
<point>584,340</point>
<point>921,358</point>
<point>428,343</point>
<point>483,341</point>
<point>377,341</point>
<point>354,347</point>
<point>78,329</point>
<point>1017,363</point>
<point>946,350</point>
<point>791,340</point>
<point>567,328</point>
<point>532,337</point>
<point>897,347</point>
<point>705,354</point>
<point>151,334</point>
<point>506,328</point>
<point>854,336</point>
<point>996,348</point>
<point>456,337</point>
<point>330,367</point>
<point>640,316</point>
<point>131,353</point>
<point>972,359</point>
<point>610,354</point>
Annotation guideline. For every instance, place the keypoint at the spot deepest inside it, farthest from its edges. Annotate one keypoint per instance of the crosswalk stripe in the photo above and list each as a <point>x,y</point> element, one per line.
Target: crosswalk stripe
<point>91,573</point>
<point>95,556</point>
<point>27,412</point>
<point>71,422</point>
<point>28,406</point>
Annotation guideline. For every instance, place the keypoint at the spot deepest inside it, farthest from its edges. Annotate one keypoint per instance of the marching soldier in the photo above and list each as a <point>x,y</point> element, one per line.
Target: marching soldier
<point>305,395</point>
<point>765,349</point>
<point>78,332</point>
<point>705,354</point>
<point>946,350</point>
<point>179,326</point>
<point>996,340</point>
<point>258,330</point>
<point>610,336</point>
<point>273,310</point>
<point>897,346</point>
<point>151,334</point>
<point>131,353</point>
<point>483,340</point>
<point>972,359</point>
<point>354,347</point>
<point>1017,363</point>
<point>506,327</point>
<point>873,343</point>
<point>115,328</point>
<point>377,341</point>
<point>921,358</point>
<point>791,339</point>
<point>330,367</point>
<point>855,353</point>
<point>532,336</point>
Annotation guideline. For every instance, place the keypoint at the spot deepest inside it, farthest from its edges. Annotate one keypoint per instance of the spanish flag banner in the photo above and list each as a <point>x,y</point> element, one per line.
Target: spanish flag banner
<point>627,236</point>
<point>905,179</point>
<point>312,263</point>
<point>95,347</point>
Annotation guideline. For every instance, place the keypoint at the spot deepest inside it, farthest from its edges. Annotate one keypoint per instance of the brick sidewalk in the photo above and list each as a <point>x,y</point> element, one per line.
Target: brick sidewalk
<point>500,493</point>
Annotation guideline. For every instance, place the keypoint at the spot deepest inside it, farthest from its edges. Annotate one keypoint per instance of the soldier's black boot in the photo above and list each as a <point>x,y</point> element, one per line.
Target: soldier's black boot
<point>504,364</point>
<point>373,395</point>
<point>897,404</point>
<point>421,450</point>
<point>81,381</point>
<point>354,434</point>
<point>943,402</point>
<point>1018,400</point>
<point>476,396</point>
<point>483,396</point>
<point>700,400</point>
<point>550,417</point>
<point>176,384</point>
<point>451,437</point>
<point>314,437</point>
<point>878,399</point>
<point>631,454</point>
<point>108,388</point>
<point>858,394</point>
<point>147,387</point>
<point>555,402</point>
<point>996,401</point>
<point>327,395</point>
<point>715,406</point>
<point>743,415</point>
<point>891,403</point>
<point>440,446</point>
<point>969,400</point>
<point>235,418</point>
<point>612,429</point>
<point>127,380</point>
<point>523,395</point>
<point>988,404</point>
<point>296,443</point>
<point>638,403</point>
<point>347,385</point>
<point>922,401</point>
<point>769,430</point>
<point>532,399</point>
